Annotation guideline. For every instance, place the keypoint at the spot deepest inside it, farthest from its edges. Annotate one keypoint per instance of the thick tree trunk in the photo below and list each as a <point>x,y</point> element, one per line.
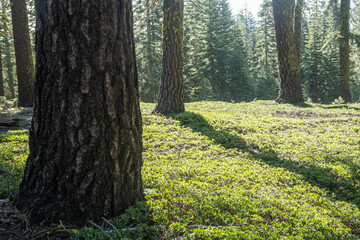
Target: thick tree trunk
<point>2,92</point>
<point>23,54</point>
<point>345,88</point>
<point>85,139</point>
<point>288,54</point>
<point>171,96</point>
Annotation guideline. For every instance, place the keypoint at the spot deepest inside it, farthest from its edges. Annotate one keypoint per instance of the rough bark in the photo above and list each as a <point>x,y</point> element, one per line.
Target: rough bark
<point>171,96</point>
<point>149,97</point>
<point>8,64</point>
<point>286,27</point>
<point>2,93</point>
<point>85,138</point>
<point>345,88</point>
<point>23,54</point>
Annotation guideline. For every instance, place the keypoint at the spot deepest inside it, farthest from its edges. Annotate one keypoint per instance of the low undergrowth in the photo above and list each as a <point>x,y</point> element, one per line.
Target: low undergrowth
<point>239,171</point>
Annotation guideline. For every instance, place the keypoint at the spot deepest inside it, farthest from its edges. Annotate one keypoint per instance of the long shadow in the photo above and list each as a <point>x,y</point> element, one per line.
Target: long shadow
<point>343,190</point>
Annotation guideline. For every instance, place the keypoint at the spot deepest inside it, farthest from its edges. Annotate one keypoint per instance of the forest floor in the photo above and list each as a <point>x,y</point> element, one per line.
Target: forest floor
<point>255,170</point>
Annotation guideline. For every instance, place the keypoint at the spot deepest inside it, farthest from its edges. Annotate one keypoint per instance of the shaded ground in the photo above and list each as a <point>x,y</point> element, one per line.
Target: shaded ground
<point>21,119</point>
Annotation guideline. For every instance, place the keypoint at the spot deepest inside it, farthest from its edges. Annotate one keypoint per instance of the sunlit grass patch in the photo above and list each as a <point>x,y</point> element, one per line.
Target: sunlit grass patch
<point>254,170</point>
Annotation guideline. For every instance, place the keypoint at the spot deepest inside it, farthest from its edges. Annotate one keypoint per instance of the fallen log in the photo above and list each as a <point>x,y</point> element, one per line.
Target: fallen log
<point>7,120</point>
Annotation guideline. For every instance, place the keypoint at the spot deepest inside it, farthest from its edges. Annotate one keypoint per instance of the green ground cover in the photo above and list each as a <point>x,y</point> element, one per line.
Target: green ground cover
<point>254,170</point>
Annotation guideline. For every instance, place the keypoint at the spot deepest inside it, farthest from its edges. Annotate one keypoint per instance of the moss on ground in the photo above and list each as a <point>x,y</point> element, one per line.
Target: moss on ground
<point>254,170</point>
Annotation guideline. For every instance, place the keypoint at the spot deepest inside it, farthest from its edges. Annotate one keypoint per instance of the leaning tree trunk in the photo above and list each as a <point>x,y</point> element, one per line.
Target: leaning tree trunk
<point>23,54</point>
<point>171,96</point>
<point>85,138</point>
<point>345,88</point>
<point>288,55</point>
<point>2,93</point>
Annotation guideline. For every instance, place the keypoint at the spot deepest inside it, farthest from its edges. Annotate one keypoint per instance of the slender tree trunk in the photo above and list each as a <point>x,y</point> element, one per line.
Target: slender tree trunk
<point>150,96</point>
<point>8,64</point>
<point>171,96</point>
<point>85,138</point>
<point>23,54</point>
<point>288,53</point>
<point>2,92</point>
<point>345,89</point>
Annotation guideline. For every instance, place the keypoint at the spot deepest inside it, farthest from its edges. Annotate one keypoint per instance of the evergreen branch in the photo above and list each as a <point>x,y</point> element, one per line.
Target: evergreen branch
<point>330,38</point>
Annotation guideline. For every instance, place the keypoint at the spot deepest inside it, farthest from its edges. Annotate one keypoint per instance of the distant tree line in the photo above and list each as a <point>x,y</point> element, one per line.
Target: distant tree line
<point>234,58</point>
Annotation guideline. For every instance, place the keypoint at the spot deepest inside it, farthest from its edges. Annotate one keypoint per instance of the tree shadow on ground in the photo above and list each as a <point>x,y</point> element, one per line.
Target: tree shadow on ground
<point>324,178</point>
<point>342,106</point>
<point>302,105</point>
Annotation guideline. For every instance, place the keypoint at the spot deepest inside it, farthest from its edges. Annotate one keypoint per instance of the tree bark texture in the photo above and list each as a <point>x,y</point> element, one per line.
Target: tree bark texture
<point>149,97</point>
<point>23,53</point>
<point>287,32</point>
<point>345,88</point>
<point>8,64</point>
<point>171,96</point>
<point>85,139</point>
<point>2,92</point>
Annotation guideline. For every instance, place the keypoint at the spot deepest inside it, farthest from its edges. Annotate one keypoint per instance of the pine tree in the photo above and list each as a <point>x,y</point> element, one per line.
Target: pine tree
<point>316,85</point>
<point>147,25</point>
<point>8,66</point>
<point>23,53</point>
<point>267,85</point>
<point>289,64</point>
<point>171,95</point>
<point>196,63</point>
<point>345,88</point>
<point>85,140</point>
<point>219,40</point>
<point>240,85</point>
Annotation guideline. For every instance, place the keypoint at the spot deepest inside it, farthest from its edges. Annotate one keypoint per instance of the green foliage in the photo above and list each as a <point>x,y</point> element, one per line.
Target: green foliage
<point>13,154</point>
<point>134,224</point>
<point>254,170</point>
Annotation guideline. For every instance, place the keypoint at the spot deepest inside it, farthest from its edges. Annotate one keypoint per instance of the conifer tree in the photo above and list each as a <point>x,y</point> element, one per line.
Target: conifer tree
<point>345,89</point>
<point>171,95</point>
<point>289,64</point>
<point>85,140</point>
<point>147,21</point>
<point>23,53</point>
<point>267,85</point>
<point>196,63</point>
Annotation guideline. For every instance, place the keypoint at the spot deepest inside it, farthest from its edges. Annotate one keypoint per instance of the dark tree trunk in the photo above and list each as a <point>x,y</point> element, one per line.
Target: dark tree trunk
<point>287,32</point>
<point>8,64</point>
<point>150,97</point>
<point>2,93</point>
<point>171,96</point>
<point>23,54</point>
<point>345,88</point>
<point>85,138</point>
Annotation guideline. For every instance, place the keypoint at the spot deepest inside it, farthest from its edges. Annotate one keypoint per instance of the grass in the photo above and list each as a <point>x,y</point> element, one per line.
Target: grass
<point>254,170</point>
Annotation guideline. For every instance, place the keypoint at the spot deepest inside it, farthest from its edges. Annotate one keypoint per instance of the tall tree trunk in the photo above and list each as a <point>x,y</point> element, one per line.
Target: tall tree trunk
<point>345,89</point>
<point>2,92</point>
<point>171,96</point>
<point>23,54</point>
<point>8,64</point>
<point>288,53</point>
<point>150,96</point>
<point>85,138</point>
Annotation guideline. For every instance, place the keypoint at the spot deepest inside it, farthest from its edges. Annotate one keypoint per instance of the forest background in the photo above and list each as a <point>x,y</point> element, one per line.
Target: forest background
<point>238,52</point>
